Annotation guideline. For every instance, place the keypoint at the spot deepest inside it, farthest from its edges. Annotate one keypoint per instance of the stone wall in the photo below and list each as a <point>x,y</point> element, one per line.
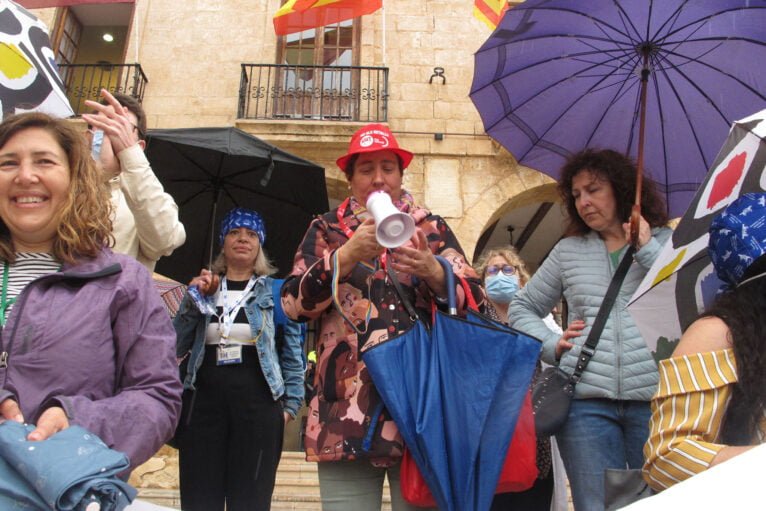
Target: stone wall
<point>192,51</point>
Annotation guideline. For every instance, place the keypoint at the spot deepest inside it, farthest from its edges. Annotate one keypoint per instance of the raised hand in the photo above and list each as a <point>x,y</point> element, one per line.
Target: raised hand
<point>114,120</point>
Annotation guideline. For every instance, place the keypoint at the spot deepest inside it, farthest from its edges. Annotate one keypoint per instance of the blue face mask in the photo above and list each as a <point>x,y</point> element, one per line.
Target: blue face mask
<point>97,142</point>
<point>501,288</point>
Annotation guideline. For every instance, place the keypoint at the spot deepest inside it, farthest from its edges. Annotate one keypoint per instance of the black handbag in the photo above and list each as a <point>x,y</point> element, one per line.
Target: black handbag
<point>551,398</point>
<point>553,392</point>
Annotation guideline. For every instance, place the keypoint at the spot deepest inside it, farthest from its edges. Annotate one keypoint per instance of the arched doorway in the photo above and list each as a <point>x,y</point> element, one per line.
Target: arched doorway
<point>532,221</point>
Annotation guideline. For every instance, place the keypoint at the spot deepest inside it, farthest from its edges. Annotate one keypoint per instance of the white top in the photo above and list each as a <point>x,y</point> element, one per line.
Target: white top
<point>240,332</point>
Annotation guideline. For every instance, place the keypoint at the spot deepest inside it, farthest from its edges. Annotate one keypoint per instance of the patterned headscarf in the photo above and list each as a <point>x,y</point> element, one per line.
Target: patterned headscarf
<point>738,237</point>
<point>242,217</point>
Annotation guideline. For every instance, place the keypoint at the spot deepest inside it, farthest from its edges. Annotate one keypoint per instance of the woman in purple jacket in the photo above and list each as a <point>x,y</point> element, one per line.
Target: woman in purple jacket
<point>85,339</point>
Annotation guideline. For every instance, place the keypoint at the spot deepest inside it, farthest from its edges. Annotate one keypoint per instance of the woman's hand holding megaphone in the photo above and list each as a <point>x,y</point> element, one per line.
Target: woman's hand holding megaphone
<point>362,246</point>
<point>418,260</point>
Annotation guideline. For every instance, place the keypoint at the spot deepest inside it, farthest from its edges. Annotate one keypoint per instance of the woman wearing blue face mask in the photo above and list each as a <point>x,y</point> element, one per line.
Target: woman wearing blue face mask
<point>501,280</point>
<point>504,273</point>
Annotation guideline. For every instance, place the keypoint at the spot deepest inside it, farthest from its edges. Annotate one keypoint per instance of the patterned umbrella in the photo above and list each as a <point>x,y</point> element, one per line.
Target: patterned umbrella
<point>681,283</point>
<point>29,78</point>
<point>72,469</point>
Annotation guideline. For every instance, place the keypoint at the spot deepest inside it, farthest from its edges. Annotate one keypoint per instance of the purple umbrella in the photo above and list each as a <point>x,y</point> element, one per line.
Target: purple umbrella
<point>558,76</point>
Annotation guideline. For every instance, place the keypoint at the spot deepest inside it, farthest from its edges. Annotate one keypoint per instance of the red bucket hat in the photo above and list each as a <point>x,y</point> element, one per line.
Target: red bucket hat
<point>370,138</point>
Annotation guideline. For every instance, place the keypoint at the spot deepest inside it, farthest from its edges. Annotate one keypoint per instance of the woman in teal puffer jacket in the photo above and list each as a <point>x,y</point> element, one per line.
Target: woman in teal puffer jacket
<point>608,421</point>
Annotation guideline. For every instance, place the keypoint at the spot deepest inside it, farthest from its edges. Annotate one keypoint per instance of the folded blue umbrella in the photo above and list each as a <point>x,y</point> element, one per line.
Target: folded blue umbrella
<point>401,367</point>
<point>68,471</point>
<point>455,392</point>
<point>497,364</point>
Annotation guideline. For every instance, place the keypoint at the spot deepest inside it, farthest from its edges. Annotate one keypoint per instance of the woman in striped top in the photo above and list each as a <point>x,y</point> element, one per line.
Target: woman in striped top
<point>710,402</point>
<point>84,338</point>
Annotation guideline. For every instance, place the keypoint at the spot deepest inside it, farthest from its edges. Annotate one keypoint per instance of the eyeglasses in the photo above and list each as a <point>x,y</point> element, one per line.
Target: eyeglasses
<point>507,269</point>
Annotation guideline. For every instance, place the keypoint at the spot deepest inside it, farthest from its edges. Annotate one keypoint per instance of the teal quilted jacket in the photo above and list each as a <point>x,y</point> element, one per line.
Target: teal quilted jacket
<point>579,269</point>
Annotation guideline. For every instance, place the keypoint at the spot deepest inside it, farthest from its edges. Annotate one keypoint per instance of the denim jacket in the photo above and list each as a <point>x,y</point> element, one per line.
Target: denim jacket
<point>283,371</point>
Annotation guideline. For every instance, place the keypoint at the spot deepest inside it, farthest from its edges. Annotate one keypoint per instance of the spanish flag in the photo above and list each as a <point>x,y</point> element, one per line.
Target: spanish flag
<point>490,11</point>
<point>300,15</point>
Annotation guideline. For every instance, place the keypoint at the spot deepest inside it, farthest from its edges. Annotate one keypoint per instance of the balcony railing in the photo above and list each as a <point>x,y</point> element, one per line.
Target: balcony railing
<point>85,81</point>
<point>322,93</point>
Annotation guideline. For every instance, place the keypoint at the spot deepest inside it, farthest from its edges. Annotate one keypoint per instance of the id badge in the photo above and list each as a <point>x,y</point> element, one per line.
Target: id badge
<point>231,354</point>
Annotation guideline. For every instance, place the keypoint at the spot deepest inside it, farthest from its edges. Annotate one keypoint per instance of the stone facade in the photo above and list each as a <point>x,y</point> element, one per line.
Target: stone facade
<point>191,52</point>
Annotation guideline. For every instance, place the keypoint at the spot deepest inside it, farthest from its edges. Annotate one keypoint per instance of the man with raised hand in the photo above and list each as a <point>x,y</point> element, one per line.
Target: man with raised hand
<point>145,218</point>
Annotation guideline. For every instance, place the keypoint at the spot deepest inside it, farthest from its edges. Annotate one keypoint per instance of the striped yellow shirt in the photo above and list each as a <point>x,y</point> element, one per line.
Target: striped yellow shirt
<point>687,410</point>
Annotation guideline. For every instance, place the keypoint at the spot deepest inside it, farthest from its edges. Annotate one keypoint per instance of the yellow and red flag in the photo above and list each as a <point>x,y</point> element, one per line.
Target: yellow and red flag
<point>300,15</point>
<point>490,11</point>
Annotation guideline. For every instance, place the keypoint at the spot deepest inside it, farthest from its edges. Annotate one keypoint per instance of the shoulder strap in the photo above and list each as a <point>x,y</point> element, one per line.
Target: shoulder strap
<point>589,348</point>
<point>470,300</point>
<point>402,296</point>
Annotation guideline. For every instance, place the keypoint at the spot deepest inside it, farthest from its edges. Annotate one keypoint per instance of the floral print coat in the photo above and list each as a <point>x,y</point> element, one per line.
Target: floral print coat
<point>366,311</point>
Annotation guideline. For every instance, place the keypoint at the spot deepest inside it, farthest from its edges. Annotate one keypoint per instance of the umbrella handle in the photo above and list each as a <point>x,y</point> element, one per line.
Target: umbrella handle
<point>449,276</point>
<point>635,224</point>
<point>635,216</point>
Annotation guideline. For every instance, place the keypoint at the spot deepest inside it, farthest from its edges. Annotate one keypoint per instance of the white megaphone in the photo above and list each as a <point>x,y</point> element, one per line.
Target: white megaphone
<point>392,227</point>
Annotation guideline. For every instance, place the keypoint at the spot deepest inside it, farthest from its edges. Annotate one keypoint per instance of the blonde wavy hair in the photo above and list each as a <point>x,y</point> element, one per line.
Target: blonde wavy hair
<point>84,220</point>
<point>510,254</point>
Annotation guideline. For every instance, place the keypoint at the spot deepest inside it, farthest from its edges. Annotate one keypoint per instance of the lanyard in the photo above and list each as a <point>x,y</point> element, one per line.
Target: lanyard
<point>347,230</point>
<point>226,319</point>
<point>5,303</point>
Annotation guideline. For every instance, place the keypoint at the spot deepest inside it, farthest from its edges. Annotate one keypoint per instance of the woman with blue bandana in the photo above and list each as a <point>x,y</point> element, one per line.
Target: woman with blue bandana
<point>711,399</point>
<point>241,384</point>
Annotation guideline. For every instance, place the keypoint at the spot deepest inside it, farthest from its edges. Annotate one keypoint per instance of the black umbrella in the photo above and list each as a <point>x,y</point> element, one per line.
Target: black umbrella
<point>209,171</point>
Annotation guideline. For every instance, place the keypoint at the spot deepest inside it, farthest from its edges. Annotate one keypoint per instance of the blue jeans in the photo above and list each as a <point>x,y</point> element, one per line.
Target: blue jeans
<point>601,434</point>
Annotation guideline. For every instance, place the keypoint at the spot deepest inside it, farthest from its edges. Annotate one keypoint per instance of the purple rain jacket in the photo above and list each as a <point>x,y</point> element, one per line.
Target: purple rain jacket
<point>95,339</point>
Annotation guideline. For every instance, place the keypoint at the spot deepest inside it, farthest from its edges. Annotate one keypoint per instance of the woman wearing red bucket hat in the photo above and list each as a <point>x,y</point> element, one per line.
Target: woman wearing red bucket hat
<point>339,278</point>
<point>371,138</point>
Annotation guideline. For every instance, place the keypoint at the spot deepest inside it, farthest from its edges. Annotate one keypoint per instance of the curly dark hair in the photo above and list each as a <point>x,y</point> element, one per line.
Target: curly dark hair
<point>742,309</point>
<point>620,172</point>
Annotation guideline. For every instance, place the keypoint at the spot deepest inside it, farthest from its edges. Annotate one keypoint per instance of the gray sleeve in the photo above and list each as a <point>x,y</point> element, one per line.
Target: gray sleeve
<point>536,300</point>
